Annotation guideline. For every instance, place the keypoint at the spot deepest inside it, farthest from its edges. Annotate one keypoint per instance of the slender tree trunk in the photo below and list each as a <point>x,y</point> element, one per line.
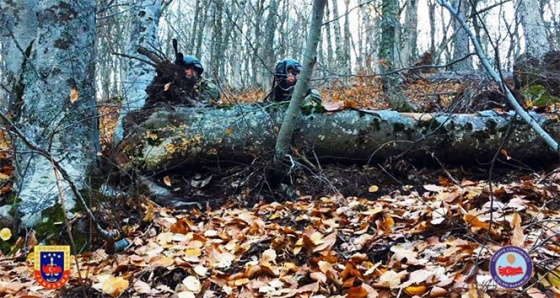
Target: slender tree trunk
<point>59,110</point>
<point>310,57</point>
<point>534,31</point>
<point>387,52</point>
<point>409,34</point>
<point>340,51</point>
<point>138,74</point>
<point>268,47</point>
<point>330,59</point>
<point>461,40</point>
<point>218,44</point>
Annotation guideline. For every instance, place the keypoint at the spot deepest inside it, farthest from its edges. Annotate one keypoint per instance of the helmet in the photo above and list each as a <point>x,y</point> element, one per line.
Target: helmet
<point>283,66</point>
<point>191,61</point>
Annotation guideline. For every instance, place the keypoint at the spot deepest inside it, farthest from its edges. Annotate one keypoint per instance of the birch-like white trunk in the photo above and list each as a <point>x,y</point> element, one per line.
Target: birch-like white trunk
<point>18,30</point>
<point>534,31</point>
<point>461,39</point>
<point>409,35</point>
<point>138,75</point>
<point>59,110</point>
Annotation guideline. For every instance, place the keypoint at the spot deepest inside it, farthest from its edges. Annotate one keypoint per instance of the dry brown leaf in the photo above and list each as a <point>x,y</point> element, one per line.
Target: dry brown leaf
<point>115,285</point>
<point>318,276</point>
<point>518,237</point>
<point>416,290</point>
<point>327,242</point>
<point>474,221</point>
<point>357,292</point>
<point>167,180</point>
<point>74,95</point>
<point>437,292</point>
<point>142,287</point>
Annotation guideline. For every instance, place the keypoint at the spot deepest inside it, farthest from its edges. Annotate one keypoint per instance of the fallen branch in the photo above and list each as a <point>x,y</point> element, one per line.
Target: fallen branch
<point>532,123</point>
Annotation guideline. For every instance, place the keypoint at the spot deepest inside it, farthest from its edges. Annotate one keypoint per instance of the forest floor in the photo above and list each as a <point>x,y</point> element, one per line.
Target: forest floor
<point>344,230</point>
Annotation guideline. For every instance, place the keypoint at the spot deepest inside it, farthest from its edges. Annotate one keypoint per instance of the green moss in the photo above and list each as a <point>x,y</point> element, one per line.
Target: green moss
<point>52,228</point>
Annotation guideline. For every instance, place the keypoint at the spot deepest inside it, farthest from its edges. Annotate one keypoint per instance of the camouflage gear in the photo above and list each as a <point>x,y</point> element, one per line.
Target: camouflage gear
<point>207,91</point>
<point>202,93</point>
<point>283,90</point>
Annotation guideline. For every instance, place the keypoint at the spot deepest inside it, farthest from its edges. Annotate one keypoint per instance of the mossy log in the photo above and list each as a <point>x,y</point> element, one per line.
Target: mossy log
<point>183,138</point>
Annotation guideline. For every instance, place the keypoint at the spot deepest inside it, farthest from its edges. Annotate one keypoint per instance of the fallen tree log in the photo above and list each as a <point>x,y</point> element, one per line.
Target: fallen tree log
<point>183,138</point>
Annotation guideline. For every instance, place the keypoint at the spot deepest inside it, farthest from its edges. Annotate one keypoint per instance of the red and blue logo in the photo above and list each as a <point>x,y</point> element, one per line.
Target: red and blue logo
<point>52,266</point>
<point>511,267</point>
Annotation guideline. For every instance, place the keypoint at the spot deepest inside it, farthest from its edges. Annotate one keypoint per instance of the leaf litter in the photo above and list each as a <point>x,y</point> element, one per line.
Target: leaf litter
<point>432,241</point>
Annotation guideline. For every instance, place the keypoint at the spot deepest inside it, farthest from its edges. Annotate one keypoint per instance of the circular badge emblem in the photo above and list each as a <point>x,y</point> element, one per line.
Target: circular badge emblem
<point>511,267</point>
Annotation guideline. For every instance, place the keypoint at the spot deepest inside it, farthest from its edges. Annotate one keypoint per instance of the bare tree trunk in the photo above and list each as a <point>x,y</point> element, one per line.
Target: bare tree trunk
<point>59,110</point>
<point>409,34</point>
<point>138,74</point>
<point>268,47</point>
<point>534,31</point>
<point>18,30</point>
<point>432,15</point>
<point>218,40</point>
<point>387,52</point>
<point>258,79</point>
<point>339,66</point>
<point>309,59</point>
<point>461,40</point>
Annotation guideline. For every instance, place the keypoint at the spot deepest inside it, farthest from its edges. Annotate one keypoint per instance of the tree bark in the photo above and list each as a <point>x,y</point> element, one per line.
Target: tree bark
<point>59,109</point>
<point>534,30</point>
<point>139,75</point>
<point>294,109</point>
<point>188,137</point>
<point>461,39</point>
<point>17,33</point>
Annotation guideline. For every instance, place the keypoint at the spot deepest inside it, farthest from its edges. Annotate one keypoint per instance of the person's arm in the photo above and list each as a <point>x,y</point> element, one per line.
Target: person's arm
<point>208,92</point>
<point>314,95</point>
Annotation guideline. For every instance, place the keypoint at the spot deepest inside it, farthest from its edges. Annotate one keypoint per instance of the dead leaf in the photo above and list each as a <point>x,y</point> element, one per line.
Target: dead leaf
<point>5,234</point>
<point>518,237</point>
<point>142,287</point>
<point>357,292</point>
<point>391,279</point>
<point>115,285</point>
<point>416,290</point>
<point>167,180</point>
<point>74,95</point>
<point>192,284</point>
<point>373,188</point>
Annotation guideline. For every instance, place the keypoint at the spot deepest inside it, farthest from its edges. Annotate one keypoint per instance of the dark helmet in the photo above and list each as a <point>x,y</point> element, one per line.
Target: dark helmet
<point>283,66</point>
<point>191,61</point>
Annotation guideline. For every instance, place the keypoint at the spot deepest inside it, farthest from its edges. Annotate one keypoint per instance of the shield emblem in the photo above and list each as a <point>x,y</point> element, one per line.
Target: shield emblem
<point>52,266</point>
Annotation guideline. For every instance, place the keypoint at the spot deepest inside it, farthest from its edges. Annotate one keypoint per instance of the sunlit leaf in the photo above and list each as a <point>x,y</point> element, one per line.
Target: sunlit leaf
<point>5,234</point>
<point>74,95</point>
<point>416,290</point>
<point>373,188</point>
<point>167,180</point>
<point>192,284</point>
<point>115,285</point>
